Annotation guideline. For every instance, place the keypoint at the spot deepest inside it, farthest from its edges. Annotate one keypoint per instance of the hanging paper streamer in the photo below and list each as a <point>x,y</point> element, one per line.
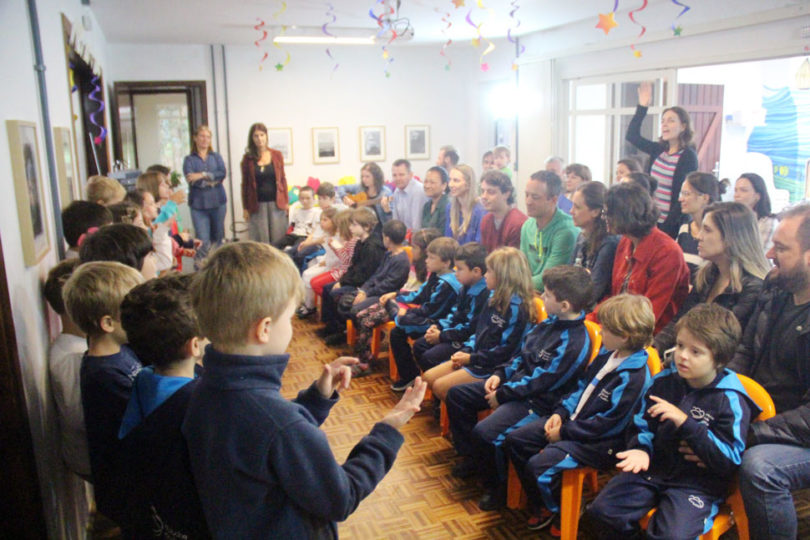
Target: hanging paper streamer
<point>384,26</point>
<point>477,40</point>
<point>677,28</point>
<point>448,23</point>
<point>636,52</point>
<point>281,65</point>
<point>260,28</point>
<point>330,13</point>
<point>607,21</point>
<point>102,133</point>
<point>511,39</point>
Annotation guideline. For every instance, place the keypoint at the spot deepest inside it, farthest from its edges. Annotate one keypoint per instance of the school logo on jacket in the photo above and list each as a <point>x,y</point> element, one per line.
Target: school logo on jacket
<point>497,320</point>
<point>696,501</point>
<point>701,416</point>
<point>604,395</point>
<point>543,356</point>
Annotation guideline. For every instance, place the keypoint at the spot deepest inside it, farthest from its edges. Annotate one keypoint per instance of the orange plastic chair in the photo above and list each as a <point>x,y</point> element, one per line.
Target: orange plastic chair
<point>733,511</point>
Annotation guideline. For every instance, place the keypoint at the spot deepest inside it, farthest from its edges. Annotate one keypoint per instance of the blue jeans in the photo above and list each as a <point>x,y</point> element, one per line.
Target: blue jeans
<point>768,474</point>
<point>209,227</point>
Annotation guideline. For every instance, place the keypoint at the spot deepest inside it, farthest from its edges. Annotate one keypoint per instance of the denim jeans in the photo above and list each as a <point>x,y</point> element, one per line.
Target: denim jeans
<point>209,227</point>
<point>768,474</point>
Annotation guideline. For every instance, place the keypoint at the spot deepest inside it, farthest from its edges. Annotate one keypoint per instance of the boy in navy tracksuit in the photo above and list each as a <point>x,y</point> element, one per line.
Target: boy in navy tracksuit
<point>587,426</point>
<point>153,462</point>
<point>552,357</point>
<point>262,466</point>
<point>448,335</point>
<point>694,402</point>
<point>435,298</point>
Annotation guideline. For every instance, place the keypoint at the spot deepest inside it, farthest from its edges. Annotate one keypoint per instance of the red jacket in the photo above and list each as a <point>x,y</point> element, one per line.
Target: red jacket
<point>509,233</point>
<point>250,200</point>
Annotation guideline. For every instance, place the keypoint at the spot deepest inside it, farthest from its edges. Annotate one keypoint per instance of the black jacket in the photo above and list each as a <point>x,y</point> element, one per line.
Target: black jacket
<point>390,275</point>
<point>368,256</point>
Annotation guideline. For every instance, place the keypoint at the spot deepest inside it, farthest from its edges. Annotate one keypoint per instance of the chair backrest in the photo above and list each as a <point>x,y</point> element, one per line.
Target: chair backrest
<point>653,361</point>
<point>595,333</point>
<point>540,308</point>
<point>409,251</point>
<point>760,396</point>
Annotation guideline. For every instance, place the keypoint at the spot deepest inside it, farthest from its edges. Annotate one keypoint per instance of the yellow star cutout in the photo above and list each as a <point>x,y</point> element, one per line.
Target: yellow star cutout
<point>607,22</point>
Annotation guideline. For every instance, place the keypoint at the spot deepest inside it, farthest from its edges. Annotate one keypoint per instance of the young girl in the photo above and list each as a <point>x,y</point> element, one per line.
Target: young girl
<point>324,264</point>
<point>167,200</point>
<point>498,329</point>
<point>161,241</point>
<point>464,212</point>
<point>419,243</point>
<point>699,191</point>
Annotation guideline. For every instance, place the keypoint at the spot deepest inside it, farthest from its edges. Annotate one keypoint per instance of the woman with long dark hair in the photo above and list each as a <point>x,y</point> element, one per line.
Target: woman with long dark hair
<point>204,170</point>
<point>750,190</point>
<point>264,188</point>
<point>699,190</point>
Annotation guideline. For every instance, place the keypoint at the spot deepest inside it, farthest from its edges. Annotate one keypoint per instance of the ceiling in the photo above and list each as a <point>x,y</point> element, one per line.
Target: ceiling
<point>232,21</point>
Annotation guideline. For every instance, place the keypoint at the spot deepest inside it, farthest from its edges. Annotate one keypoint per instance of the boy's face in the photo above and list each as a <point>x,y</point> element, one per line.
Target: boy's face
<point>611,341</point>
<point>434,263</point>
<point>694,360</point>
<point>356,229</point>
<point>488,162</point>
<point>326,202</point>
<point>501,160</point>
<point>281,331</point>
<point>465,275</point>
<point>553,307</point>
<point>306,199</point>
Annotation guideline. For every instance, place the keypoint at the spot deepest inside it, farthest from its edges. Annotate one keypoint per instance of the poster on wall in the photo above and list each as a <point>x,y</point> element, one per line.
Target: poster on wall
<point>325,145</point>
<point>281,139</point>
<point>24,151</point>
<point>417,142</point>
<point>372,143</point>
<point>65,166</point>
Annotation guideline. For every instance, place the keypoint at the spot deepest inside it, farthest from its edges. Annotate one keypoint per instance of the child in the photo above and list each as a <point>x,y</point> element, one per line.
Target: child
<point>419,243</point>
<point>447,336</point>
<point>303,220</point>
<point>552,356</point>
<point>327,197</point>
<point>127,212</point>
<point>587,427</point>
<point>161,215</point>
<point>499,328</point>
<point>104,190</point>
<point>64,361</point>
<point>695,402</point>
<point>488,161</point>
<point>78,218</point>
<point>313,246</point>
<point>502,157</point>
<point>93,296</point>
<point>325,263</point>
<point>367,257</point>
<point>120,242</point>
<point>262,467</point>
<point>153,461</point>
<point>434,301</point>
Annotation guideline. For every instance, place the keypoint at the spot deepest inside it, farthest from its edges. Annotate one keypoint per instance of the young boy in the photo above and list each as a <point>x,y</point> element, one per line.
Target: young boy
<point>312,247</point>
<point>262,467</point>
<point>105,190</point>
<point>162,329</point>
<point>93,296</point>
<point>435,298</point>
<point>695,402</point>
<point>552,356</point>
<point>326,197</point>
<point>587,427</point>
<point>78,218</point>
<point>303,220</point>
<point>124,243</point>
<point>502,157</point>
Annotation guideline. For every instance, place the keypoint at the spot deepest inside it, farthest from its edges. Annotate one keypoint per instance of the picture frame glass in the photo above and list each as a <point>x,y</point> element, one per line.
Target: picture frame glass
<point>372,143</point>
<point>325,145</point>
<point>417,142</point>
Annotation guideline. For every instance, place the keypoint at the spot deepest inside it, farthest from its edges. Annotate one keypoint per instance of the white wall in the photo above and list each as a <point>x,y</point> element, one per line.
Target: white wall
<point>61,493</point>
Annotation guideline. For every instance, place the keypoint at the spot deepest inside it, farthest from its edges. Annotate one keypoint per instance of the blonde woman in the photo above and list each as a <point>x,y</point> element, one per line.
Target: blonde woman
<point>464,212</point>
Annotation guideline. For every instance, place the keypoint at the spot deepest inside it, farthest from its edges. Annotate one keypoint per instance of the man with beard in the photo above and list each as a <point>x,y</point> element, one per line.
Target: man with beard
<point>775,351</point>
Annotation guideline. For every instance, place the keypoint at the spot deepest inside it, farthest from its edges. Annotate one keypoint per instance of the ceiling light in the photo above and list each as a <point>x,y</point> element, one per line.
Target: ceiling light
<point>325,40</point>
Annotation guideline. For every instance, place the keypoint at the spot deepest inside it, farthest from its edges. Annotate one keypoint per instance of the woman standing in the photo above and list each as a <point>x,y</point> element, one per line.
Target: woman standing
<point>464,212</point>
<point>699,190</point>
<point>204,170</point>
<point>671,158</point>
<point>264,188</point>
<point>750,190</point>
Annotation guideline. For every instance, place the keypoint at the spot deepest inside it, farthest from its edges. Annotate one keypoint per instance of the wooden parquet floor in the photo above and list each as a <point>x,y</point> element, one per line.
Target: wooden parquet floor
<point>418,498</point>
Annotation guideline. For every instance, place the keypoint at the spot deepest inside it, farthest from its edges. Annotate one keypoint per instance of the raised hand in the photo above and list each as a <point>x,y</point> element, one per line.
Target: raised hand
<point>336,376</point>
<point>407,406</point>
<point>645,90</point>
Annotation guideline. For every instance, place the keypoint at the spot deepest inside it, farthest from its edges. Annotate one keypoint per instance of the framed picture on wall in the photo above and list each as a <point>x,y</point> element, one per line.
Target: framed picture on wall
<point>325,145</point>
<point>372,143</point>
<point>65,166</point>
<point>417,142</point>
<point>281,139</point>
<point>31,207</point>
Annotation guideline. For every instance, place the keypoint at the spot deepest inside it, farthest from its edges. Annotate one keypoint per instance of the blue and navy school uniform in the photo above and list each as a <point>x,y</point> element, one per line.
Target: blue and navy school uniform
<point>687,496</point>
<point>592,438</point>
<point>436,297</point>
<point>552,357</point>
<point>497,337</point>
<point>455,328</point>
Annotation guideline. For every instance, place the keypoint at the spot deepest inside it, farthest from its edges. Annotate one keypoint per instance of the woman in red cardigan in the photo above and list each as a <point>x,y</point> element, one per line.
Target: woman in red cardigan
<point>264,188</point>
<point>501,225</point>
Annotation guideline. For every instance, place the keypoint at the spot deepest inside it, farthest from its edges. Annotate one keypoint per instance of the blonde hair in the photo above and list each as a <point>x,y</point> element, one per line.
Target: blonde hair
<point>202,127</point>
<point>150,181</point>
<point>240,284</point>
<point>629,316</point>
<point>342,221</point>
<point>95,290</point>
<point>104,190</point>
<point>512,277</point>
<point>466,204</point>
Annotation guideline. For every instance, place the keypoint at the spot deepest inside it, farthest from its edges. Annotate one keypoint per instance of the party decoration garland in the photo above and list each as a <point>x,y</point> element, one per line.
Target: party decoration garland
<point>102,134</point>
<point>384,26</point>
<point>281,65</point>
<point>677,29</point>
<point>636,52</point>
<point>330,13</point>
<point>515,7</point>
<point>607,21</point>
<point>477,40</point>
<point>260,28</point>
<point>446,20</point>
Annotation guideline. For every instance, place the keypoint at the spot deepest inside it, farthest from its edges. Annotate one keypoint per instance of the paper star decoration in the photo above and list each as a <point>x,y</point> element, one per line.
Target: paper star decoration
<point>458,3</point>
<point>279,66</point>
<point>637,53</point>
<point>607,22</point>
<point>676,30</point>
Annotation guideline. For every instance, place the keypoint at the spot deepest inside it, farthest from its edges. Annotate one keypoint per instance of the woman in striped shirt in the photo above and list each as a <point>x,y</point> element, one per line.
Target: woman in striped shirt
<point>671,158</point>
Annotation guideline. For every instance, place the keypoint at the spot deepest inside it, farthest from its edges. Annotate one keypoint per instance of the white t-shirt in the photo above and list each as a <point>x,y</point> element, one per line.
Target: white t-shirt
<point>305,221</point>
<point>612,363</point>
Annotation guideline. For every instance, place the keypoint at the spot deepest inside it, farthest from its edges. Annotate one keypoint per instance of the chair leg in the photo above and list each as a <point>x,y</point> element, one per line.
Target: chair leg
<point>571,502</point>
<point>444,421</point>
<point>350,333</point>
<point>376,337</point>
<point>593,481</point>
<point>735,501</point>
<point>515,496</point>
<point>393,372</point>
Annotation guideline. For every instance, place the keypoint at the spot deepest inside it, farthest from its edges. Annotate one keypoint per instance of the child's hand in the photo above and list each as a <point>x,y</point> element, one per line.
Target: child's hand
<point>337,286</point>
<point>460,359</point>
<point>335,376</point>
<point>633,461</point>
<point>554,421</point>
<point>348,201</point>
<point>553,434</point>
<point>432,335</point>
<point>407,406</point>
<point>664,410</point>
<point>179,197</point>
<point>402,311</point>
<point>689,454</point>
<point>359,298</point>
<point>197,243</point>
<point>386,297</point>
<point>492,399</point>
<point>185,236</point>
<point>492,384</point>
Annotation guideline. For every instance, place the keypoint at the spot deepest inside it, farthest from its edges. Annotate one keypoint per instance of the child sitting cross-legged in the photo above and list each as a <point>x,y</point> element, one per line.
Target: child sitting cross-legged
<point>697,403</point>
<point>587,426</point>
<point>93,296</point>
<point>262,466</point>
<point>152,463</point>
<point>548,364</point>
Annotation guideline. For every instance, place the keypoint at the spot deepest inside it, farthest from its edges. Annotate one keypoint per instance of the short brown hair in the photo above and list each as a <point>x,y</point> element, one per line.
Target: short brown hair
<point>583,171</point>
<point>570,283</point>
<point>95,290</point>
<point>444,248</point>
<point>103,190</point>
<point>150,182</point>
<point>714,326</point>
<point>502,151</point>
<point>240,284</point>
<point>365,218</point>
<point>326,189</point>
<point>474,255</point>
<point>629,316</point>
<point>57,277</point>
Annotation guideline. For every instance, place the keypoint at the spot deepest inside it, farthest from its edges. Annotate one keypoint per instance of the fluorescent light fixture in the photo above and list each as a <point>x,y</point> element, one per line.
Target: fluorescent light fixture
<point>325,40</point>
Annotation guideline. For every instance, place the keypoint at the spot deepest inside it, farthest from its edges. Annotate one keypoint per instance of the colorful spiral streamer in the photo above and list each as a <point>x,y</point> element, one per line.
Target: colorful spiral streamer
<point>636,52</point>
<point>448,23</point>
<point>477,40</point>
<point>384,26</point>
<point>330,13</point>
<point>281,65</point>
<point>260,28</point>
<point>677,28</point>
<point>102,134</point>
<point>522,48</point>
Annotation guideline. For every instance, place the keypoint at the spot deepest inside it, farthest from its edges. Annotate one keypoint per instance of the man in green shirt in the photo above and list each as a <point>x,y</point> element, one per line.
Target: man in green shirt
<point>549,235</point>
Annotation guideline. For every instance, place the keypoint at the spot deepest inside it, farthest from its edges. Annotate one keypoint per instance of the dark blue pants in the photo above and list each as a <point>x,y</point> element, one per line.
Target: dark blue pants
<point>682,512</point>
<point>301,257</point>
<point>403,356</point>
<point>429,356</point>
<point>329,306</point>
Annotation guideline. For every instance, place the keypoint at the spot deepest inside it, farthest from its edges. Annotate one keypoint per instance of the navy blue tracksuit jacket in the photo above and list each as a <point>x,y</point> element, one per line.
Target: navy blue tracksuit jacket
<point>436,297</point>
<point>462,320</point>
<point>497,337</point>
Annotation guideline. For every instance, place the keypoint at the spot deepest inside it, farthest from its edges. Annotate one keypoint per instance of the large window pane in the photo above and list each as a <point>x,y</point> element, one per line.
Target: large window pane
<point>589,143</point>
<point>591,96</point>
<point>647,131</point>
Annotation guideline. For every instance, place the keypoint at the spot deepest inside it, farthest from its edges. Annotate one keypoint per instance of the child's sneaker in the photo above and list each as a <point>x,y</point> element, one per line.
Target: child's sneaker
<point>402,385</point>
<point>542,521</point>
<point>361,370</point>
